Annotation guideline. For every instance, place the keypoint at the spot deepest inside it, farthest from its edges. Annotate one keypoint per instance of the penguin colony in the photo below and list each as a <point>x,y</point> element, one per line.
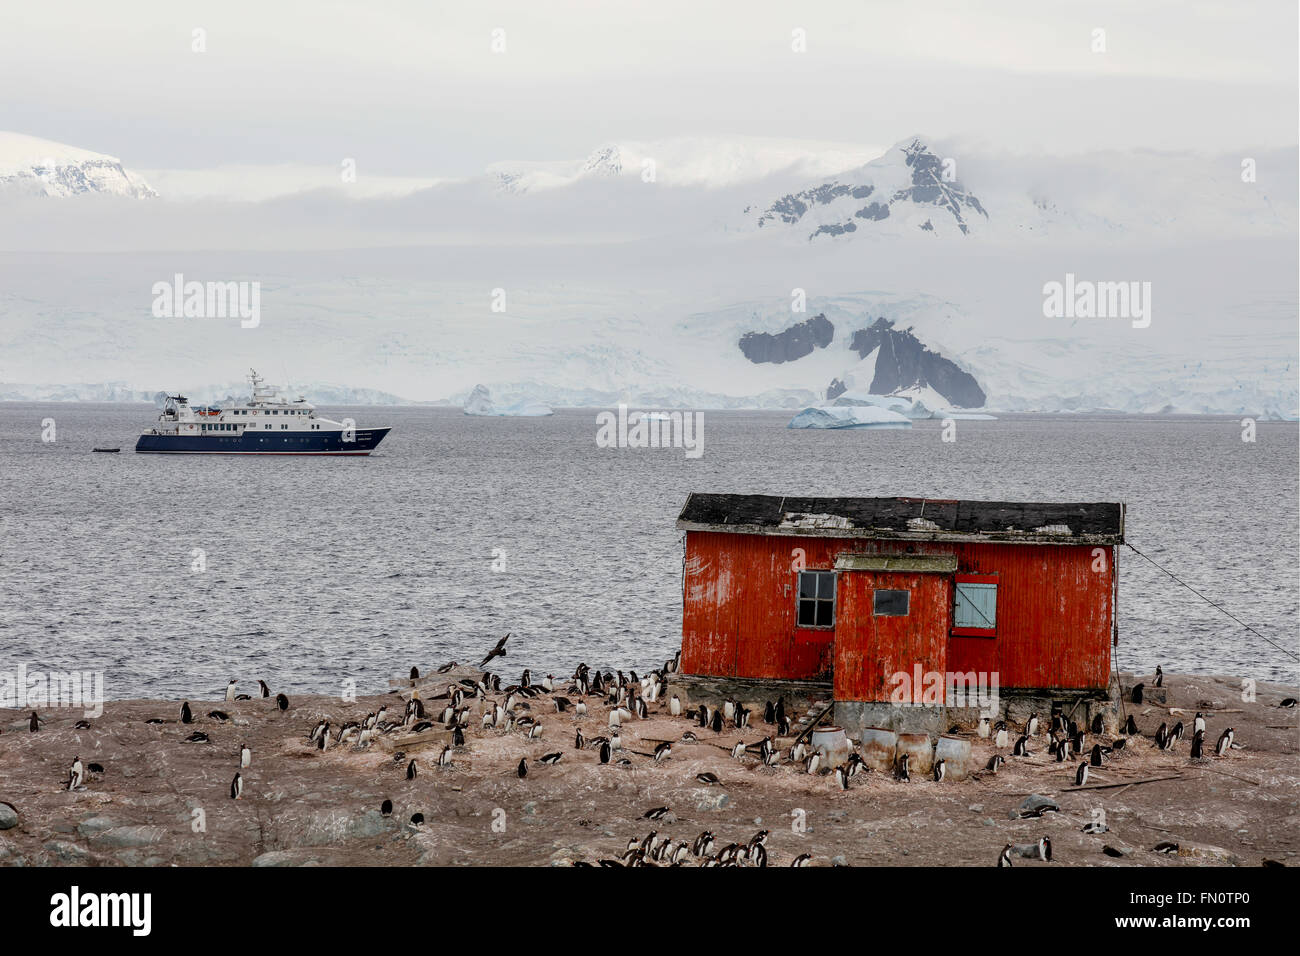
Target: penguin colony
<point>519,709</point>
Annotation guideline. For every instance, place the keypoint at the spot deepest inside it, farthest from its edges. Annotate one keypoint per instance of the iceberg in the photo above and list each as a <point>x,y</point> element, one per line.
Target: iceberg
<point>480,403</point>
<point>904,405</point>
<point>849,416</point>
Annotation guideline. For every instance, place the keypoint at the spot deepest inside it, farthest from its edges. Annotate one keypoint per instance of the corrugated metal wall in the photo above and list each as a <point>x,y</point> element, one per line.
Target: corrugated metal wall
<point>1053,612</point>
<point>869,650</point>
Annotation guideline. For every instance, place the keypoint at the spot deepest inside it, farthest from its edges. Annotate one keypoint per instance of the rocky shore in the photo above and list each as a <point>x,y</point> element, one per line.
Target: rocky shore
<point>158,799</point>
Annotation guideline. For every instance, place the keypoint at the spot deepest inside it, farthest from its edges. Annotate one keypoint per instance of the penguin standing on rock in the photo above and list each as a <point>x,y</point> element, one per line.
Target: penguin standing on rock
<point>245,756</point>
<point>940,770</point>
<point>230,689</point>
<point>237,787</point>
<point>1004,858</point>
<point>903,761</point>
<point>995,762</point>
<point>34,722</point>
<point>75,773</point>
<point>412,770</point>
<point>1225,743</point>
<point>1081,775</point>
<point>1198,745</point>
<point>186,716</point>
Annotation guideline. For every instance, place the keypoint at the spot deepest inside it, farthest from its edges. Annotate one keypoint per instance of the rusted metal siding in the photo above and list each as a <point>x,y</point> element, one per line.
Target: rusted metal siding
<point>869,650</point>
<point>1053,614</point>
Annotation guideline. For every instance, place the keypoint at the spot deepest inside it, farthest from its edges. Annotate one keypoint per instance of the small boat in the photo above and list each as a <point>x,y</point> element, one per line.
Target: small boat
<point>110,450</point>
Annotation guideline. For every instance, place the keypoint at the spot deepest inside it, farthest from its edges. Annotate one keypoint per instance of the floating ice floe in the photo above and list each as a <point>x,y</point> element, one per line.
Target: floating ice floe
<point>902,404</point>
<point>480,403</point>
<point>849,416</point>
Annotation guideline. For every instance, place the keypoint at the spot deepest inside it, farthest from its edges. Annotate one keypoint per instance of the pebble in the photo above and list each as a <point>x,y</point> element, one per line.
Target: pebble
<point>8,818</point>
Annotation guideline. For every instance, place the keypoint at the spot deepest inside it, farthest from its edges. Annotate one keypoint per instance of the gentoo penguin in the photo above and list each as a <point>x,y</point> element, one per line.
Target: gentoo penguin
<point>415,673</point>
<point>1098,725</point>
<point>657,813</point>
<point>615,741</point>
<point>198,737</point>
<point>813,763</point>
<point>281,702</point>
<point>604,752</point>
<point>1094,759</point>
<point>82,725</point>
<point>1225,743</point>
<point>663,751</point>
<point>999,734</point>
<point>708,779</point>
<point>903,773</point>
<point>1198,745</point>
<point>1168,742</point>
<point>940,770</point>
<point>230,689</point>
<point>386,808</point>
<point>412,770</point>
<point>237,787</point>
<point>1177,732</point>
<point>842,778</point>
<point>1161,732</point>
<point>95,767</point>
<point>690,738</point>
<point>1289,703</point>
<point>1160,676</point>
<point>266,691</point>
<point>552,759</point>
<point>1198,723</point>
<point>219,715</point>
<point>536,731</point>
<point>444,758</point>
<point>1045,849</point>
<point>1004,858</point>
<point>186,716</point>
<point>614,719</point>
<point>738,751</point>
<point>769,713</point>
<point>1081,775</point>
<point>1031,726</point>
<point>1062,748</point>
<point>579,741</point>
<point>522,769</point>
<point>716,724</point>
<point>729,710</point>
<point>1130,727</point>
<point>447,667</point>
<point>75,774</point>
<point>561,704</point>
<point>580,709</point>
<point>1136,693</point>
<point>1021,748</point>
<point>417,819</point>
<point>245,756</point>
<point>674,706</point>
<point>995,762</point>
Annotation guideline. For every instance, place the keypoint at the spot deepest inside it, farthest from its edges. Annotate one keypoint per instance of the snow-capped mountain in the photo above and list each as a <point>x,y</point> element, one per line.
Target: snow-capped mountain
<point>41,167</point>
<point>686,161</point>
<point>909,188</point>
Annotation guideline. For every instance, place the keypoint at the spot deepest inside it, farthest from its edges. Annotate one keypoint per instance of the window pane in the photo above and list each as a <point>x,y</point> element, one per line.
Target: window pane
<point>826,584</point>
<point>807,614</point>
<point>825,614</point>
<point>807,584</point>
<point>891,603</point>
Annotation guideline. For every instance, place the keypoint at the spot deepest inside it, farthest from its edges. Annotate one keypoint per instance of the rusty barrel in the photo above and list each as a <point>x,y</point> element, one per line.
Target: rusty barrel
<point>956,752</point>
<point>918,749</point>
<point>833,743</point>
<point>878,747</point>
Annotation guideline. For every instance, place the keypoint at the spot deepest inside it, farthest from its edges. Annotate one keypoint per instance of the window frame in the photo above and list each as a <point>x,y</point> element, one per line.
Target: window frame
<point>816,599</point>
<point>904,591</point>
<point>967,631</point>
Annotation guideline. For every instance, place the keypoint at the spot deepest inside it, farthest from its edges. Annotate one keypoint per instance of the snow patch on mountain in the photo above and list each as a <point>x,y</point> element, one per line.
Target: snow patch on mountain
<point>31,166</point>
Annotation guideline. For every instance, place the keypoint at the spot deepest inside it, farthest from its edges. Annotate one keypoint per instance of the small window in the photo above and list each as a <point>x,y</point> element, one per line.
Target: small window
<point>975,606</point>
<point>816,598</point>
<point>890,603</point>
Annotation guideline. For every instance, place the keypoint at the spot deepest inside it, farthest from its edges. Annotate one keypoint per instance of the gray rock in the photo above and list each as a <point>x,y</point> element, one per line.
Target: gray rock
<point>8,817</point>
<point>976,808</point>
<point>330,826</point>
<point>280,858</point>
<point>713,801</point>
<point>1034,804</point>
<point>66,852</point>
<point>93,826</point>
<point>125,837</point>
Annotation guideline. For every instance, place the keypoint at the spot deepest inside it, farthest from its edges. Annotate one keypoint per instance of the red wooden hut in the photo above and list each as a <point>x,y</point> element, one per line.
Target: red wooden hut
<point>850,593</point>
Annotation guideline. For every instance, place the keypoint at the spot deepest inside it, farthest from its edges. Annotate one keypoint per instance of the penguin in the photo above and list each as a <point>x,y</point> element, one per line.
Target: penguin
<point>1289,703</point>
<point>266,691</point>
<point>738,751</point>
<point>1031,726</point>
<point>1225,743</point>
<point>417,819</point>
<point>663,751</point>
<point>1177,732</point>
<point>658,813</point>
<point>1198,723</point>
<point>690,738</point>
<point>1094,759</point>
<point>1160,676</point>
<point>552,759</point>
<point>614,718</point>
<point>535,731</point>
<point>615,741</point>
<point>940,770</point>
<point>1098,725</point>
<point>1021,748</point>
<point>802,860</point>
<point>458,738</point>
<point>561,704</point>
<point>783,727</point>
<point>444,756</point>
<point>708,779</point>
<point>604,752</point>
<point>230,689</point>
<point>220,716</point>
<point>995,762</point>
<point>412,771</point>
<point>82,725</point>
<point>842,778</point>
<point>1000,734</point>
<point>95,767</point>
<point>1168,742</point>
<point>186,716</point>
<point>580,709</point>
<point>813,763</point>
<point>1081,775</point>
<point>1062,749</point>
<point>198,737</point>
<point>75,773</point>
<point>522,769</point>
<point>1161,732</point>
<point>579,741</point>
<point>1136,694</point>
<point>281,702</point>
<point>237,787</point>
<point>1045,849</point>
<point>903,773</point>
<point>716,724</point>
<point>245,757</point>
<point>1130,727</point>
<point>1004,858</point>
<point>34,722</point>
<point>415,673</point>
<point>386,808</point>
<point>1198,745</point>
<point>769,713</point>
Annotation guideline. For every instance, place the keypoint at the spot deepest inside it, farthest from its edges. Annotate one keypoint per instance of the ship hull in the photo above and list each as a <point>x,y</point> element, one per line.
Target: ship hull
<point>254,442</point>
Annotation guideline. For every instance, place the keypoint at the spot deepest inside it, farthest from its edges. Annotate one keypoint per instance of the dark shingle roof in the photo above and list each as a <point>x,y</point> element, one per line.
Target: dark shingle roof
<point>909,518</point>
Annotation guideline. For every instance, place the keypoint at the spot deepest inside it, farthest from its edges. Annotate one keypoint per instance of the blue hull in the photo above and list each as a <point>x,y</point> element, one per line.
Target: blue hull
<point>253,442</point>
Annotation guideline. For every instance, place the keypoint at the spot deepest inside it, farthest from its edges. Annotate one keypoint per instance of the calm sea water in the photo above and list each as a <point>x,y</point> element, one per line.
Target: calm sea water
<point>460,529</point>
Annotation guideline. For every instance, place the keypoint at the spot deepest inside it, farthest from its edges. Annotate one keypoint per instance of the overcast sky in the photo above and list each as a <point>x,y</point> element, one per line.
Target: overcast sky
<point>414,88</point>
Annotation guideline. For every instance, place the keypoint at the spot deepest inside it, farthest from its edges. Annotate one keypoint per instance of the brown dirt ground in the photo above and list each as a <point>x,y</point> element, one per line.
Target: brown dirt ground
<point>304,807</point>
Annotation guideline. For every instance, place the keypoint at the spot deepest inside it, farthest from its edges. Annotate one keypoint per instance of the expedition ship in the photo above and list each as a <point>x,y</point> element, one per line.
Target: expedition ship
<point>267,424</point>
